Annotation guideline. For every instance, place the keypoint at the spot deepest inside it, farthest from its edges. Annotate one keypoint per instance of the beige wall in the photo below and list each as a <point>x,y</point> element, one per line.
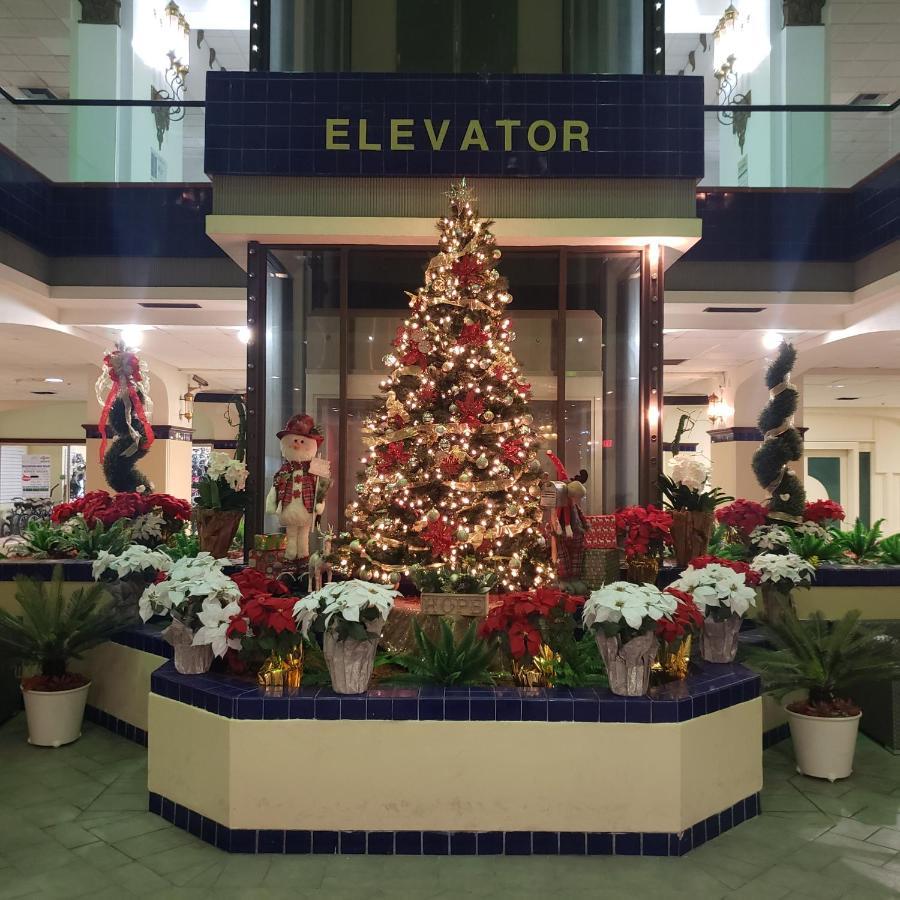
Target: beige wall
<point>470,776</point>
<point>209,423</point>
<point>44,420</point>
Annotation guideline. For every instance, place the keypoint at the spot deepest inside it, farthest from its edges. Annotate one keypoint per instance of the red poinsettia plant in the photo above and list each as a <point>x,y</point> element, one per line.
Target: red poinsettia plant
<point>643,530</point>
<point>523,616</point>
<point>743,516</point>
<point>265,625</point>
<point>823,512</point>
<point>99,506</point>
<point>686,619</point>
<point>751,577</point>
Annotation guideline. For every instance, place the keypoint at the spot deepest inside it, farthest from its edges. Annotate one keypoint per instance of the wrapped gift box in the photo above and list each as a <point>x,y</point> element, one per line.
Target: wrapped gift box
<point>269,562</point>
<point>600,567</point>
<point>600,532</point>
<point>269,541</point>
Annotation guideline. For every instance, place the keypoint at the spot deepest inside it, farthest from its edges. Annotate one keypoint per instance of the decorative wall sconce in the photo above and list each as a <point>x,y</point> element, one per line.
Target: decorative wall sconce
<point>726,51</point>
<point>718,409</point>
<point>186,409</point>
<point>173,47</point>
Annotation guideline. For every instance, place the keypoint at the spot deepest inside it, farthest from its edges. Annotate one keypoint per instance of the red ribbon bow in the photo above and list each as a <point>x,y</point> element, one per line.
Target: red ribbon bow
<point>115,363</point>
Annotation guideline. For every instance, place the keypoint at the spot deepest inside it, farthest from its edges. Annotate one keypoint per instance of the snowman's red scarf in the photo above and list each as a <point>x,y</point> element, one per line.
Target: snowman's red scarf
<point>284,485</point>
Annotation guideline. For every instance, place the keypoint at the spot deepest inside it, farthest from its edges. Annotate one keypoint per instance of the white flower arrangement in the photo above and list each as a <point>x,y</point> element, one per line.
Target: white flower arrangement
<point>136,559</point>
<point>197,590</point>
<point>343,605</point>
<point>783,570</point>
<point>148,527</point>
<point>690,470</point>
<point>717,590</point>
<point>639,606</point>
<point>770,537</point>
<point>233,471</point>
<point>813,529</point>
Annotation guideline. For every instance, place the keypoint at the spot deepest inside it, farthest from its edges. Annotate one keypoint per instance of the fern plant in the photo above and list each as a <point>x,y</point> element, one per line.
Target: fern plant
<point>447,661</point>
<point>889,550</point>
<point>860,543</point>
<point>814,548</point>
<point>52,629</point>
<point>827,659</point>
<point>43,540</point>
<point>89,542</point>
<point>182,544</point>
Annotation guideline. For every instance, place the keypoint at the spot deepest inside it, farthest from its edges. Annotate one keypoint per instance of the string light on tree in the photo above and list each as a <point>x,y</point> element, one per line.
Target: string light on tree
<point>451,473</point>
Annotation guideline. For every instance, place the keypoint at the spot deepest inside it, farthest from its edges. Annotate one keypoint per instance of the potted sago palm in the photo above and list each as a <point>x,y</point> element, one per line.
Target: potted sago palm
<point>51,631</point>
<point>826,660</point>
<point>350,615</point>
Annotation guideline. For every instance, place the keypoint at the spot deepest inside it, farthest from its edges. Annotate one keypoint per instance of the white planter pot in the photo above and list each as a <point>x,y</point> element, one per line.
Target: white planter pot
<point>824,747</point>
<point>55,717</point>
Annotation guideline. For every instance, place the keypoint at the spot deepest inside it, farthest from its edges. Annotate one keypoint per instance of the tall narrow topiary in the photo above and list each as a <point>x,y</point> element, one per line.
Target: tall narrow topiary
<point>123,391</point>
<point>782,443</point>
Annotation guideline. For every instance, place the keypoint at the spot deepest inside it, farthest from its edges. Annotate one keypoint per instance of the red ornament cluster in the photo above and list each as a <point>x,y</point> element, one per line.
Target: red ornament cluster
<point>439,536</point>
<point>513,451</point>
<point>472,335</point>
<point>468,270</point>
<point>519,615</point>
<point>470,408</point>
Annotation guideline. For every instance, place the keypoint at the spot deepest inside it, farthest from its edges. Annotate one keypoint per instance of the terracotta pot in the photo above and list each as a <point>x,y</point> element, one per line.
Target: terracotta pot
<point>719,640</point>
<point>691,529</point>
<point>217,528</point>
<point>641,569</point>
<point>628,665</point>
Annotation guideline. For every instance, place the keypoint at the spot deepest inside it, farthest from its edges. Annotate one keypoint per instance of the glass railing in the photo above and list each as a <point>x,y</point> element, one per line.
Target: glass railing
<point>106,140</point>
<point>155,141</point>
<point>798,147</point>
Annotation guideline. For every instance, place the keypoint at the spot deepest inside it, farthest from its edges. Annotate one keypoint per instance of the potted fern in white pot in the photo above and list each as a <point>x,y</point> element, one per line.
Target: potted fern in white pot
<point>51,631</point>
<point>827,661</point>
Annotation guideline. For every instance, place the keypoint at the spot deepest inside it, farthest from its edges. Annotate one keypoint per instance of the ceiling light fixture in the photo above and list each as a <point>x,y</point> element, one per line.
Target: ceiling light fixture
<point>54,380</point>
<point>132,336</point>
<point>772,340</point>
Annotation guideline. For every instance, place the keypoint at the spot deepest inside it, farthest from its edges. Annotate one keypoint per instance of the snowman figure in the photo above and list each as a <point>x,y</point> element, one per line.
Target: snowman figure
<point>293,493</point>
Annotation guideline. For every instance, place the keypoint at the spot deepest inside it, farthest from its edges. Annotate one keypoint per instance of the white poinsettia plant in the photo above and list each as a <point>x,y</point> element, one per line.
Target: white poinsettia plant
<point>773,538</point>
<point>783,571</point>
<point>627,610</point>
<point>223,484</point>
<point>718,591</point>
<point>135,561</point>
<point>198,594</point>
<point>352,609</point>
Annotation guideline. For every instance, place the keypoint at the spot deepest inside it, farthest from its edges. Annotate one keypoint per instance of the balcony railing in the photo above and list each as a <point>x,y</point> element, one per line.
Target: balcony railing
<point>140,141</point>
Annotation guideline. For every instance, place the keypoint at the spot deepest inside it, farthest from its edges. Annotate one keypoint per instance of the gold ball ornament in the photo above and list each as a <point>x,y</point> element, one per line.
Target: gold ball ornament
<point>484,364</point>
<point>454,408</point>
<point>496,254</point>
<point>440,429</point>
<point>465,477</point>
<point>432,515</point>
<point>427,418</point>
<point>462,533</point>
<point>488,416</point>
<point>447,366</point>
<point>528,418</point>
<point>444,444</point>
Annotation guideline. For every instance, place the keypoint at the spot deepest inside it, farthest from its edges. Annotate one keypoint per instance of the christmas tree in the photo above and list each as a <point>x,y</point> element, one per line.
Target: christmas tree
<point>452,473</point>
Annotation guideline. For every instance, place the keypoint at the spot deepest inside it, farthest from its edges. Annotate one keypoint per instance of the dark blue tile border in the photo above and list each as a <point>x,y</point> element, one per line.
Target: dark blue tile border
<point>709,689</point>
<point>775,735</point>
<point>454,843</point>
<point>117,726</point>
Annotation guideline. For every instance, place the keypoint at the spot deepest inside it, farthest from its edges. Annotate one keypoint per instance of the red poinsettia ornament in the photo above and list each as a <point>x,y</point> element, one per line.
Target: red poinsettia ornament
<point>392,457</point>
<point>513,451</point>
<point>472,335</point>
<point>467,269</point>
<point>439,536</point>
<point>470,408</point>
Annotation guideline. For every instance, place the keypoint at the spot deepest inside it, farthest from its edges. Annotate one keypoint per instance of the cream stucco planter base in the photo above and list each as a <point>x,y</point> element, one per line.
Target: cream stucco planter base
<point>55,717</point>
<point>824,747</point>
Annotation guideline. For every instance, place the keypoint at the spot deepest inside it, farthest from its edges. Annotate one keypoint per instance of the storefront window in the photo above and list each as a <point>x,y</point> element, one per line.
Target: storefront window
<point>457,36</point>
<point>331,316</point>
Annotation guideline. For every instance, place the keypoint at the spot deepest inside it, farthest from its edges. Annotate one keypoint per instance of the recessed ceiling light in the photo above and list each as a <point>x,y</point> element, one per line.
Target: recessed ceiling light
<point>54,380</point>
<point>771,340</point>
<point>839,385</point>
<point>371,337</point>
<point>581,340</point>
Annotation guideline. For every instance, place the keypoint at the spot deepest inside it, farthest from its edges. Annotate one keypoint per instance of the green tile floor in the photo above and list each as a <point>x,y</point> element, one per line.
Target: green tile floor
<point>73,823</point>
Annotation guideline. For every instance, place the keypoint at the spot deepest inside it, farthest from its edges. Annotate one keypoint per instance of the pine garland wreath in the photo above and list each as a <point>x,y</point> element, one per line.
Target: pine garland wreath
<point>782,442</point>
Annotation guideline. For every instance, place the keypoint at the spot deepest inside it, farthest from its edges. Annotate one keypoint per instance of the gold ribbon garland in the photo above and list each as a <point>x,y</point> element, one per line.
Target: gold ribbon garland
<point>430,428</point>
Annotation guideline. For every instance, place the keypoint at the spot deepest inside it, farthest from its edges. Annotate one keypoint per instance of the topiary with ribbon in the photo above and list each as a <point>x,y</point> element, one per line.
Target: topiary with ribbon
<point>782,442</point>
<point>123,391</point>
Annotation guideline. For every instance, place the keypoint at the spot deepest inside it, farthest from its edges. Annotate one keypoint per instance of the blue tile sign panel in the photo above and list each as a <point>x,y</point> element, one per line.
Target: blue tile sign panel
<point>560,126</point>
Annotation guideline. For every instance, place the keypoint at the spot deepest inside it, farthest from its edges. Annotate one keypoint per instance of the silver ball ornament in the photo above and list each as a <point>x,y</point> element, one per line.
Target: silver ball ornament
<point>432,515</point>
<point>482,462</point>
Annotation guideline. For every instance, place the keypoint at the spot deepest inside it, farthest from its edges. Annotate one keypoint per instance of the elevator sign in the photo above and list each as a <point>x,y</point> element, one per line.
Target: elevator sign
<point>377,124</point>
